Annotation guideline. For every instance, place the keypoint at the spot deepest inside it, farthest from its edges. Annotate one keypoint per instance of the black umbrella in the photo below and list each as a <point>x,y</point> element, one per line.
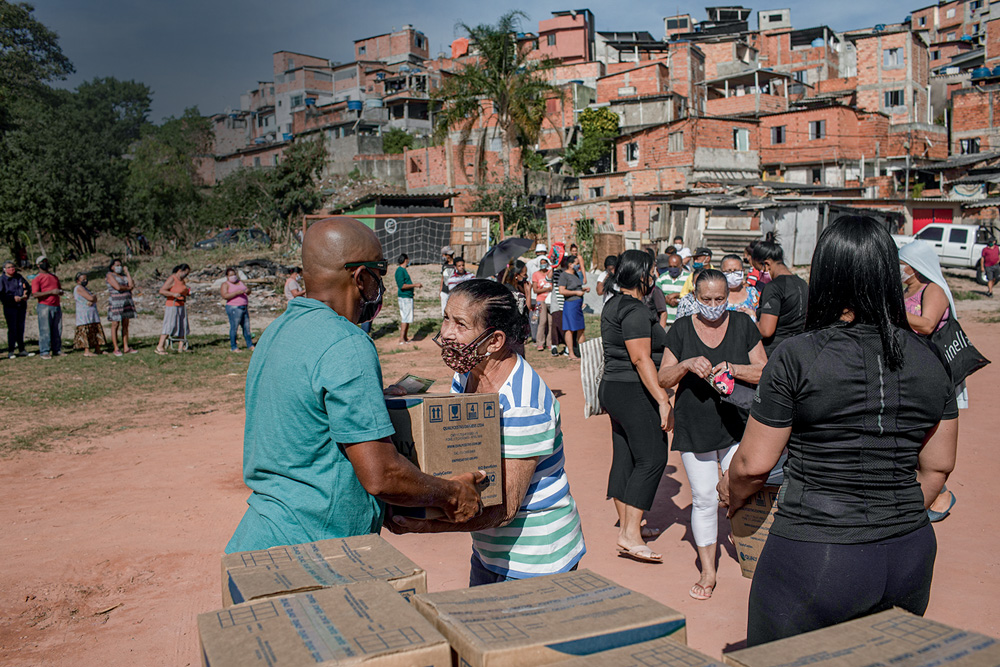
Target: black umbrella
<point>498,257</point>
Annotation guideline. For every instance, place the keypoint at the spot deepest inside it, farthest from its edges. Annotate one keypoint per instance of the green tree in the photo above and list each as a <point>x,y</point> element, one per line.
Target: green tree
<point>241,199</point>
<point>29,56</point>
<point>395,140</point>
<point>599,127</point>
<point>294,184</point>
<point>519,216</point>
<point>65,170</point>
<point>163,194</point>
<point>500,92</point>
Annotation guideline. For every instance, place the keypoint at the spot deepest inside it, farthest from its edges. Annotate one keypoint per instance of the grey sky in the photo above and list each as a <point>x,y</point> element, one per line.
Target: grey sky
<point>205,53</point>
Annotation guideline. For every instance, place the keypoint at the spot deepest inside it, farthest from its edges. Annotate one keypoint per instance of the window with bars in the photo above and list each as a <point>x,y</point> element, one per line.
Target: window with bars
<point>778,135</point>
<point>817,129</point>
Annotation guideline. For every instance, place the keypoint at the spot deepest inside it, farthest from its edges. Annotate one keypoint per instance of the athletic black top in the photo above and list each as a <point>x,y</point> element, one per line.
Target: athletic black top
<point>857,428</point>
<point>702,421</point>
<point>786,297</point>
<point>625,318</point>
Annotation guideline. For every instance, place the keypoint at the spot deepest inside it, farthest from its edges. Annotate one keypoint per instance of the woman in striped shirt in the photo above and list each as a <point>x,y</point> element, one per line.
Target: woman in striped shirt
<point>536,530</point>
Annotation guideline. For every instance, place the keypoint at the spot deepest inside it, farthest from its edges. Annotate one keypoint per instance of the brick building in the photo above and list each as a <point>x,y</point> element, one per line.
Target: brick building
<point>893,76</point>
<point>404,45</point>
<point>567,37</point>
<point>950,21</point>
<point>808,56</point>
<point>975,121</point>
<point>747,93</point>
<point>452,168</point>
<point>639,79</point>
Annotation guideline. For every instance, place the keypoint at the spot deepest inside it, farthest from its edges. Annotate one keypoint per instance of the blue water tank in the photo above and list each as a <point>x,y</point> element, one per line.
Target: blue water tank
<point>578,82</point>
<point>287,136</point>
<point>980,72</point>
<point>817,43</point>
<point>310,101</point>
<point>996,71</point>
<point>355,105</point>
<point>966,38</point>
<point>374,103</point>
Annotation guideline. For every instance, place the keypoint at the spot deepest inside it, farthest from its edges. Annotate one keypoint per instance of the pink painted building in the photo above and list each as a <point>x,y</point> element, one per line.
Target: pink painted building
<point>567,37</point>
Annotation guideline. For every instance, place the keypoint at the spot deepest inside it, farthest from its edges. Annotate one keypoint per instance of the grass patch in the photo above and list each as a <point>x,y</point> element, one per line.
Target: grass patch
<point>967,295</point>
<point>74,389</point>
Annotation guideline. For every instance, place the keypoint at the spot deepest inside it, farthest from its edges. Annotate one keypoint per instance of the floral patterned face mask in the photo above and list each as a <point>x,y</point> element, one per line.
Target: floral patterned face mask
<point>462,358</point>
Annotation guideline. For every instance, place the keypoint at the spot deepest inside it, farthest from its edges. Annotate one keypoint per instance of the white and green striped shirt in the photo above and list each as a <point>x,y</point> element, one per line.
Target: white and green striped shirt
<point>545,536</point>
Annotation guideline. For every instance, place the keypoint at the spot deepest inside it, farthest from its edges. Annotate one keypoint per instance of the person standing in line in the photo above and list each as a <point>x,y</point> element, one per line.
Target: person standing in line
<point>89,335</point>
<point>556,301</point>
<point>989,263</point>
<point>929,304</point>
<point>447,270</point>
<point>639,408</point>
<point>753,276</point>
<point>45,287</point>
<point>293,285</point>
<point>404,291</point>
<point>175,319</point>
<point>671,281</point>
<point>237,294</point>
<point>121,307</point>
<point>682,250</point>
<point>707,429</point>
<point>782,311</point>
<point>606,280</point>
<point>541,285</point>
<point>702,259</point>
<point>317,455</point>
<point>535,262</point>
<point>460,275</point>
<point>742,297</point>
<point>867,411</point>
<point>571,288</point>
<point>14,294</point>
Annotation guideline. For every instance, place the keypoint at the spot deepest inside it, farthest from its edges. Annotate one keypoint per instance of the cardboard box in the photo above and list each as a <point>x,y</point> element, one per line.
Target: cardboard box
<point>751,526</point>
<point>893,637</point>
<point>450,434</point>
<point>359,624</point>
<point>252,575</point>
<point>663,652</point>
<point>543,620</point>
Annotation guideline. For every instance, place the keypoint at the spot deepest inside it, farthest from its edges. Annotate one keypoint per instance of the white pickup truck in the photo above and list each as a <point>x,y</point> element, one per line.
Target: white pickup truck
<point>957,246</point>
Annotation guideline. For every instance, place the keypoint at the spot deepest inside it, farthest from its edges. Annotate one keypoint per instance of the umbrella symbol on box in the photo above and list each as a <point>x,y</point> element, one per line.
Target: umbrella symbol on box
<point>454,412</point>
<point>489,410</point>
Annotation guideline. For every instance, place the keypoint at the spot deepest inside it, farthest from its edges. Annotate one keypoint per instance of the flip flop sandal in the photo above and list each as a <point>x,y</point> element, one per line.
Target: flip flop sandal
<point>639,553</point>
<point>941,516</point>
<point>707,595</point>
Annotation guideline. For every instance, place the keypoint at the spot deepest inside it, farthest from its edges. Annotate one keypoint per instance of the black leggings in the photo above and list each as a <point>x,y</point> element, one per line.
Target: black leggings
<point>803,586</point>
<point>15,316</point>
<point>639,444</point>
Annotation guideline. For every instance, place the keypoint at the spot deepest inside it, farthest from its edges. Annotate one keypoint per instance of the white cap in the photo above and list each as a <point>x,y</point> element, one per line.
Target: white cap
<point>541,247</point>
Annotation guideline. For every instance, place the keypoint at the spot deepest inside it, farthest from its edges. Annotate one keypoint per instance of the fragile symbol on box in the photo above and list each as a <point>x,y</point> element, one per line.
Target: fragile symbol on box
<point>436,413</point>
<point>454,412</point>
<point>472,410</point>
<point>489,409</point>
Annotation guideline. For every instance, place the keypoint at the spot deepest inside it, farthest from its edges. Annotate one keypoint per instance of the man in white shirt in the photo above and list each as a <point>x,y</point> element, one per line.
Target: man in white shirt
<point>682,250</point>
<point>533,264</point>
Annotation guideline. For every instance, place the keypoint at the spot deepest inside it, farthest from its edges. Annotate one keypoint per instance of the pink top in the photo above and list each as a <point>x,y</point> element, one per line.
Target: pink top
<point>240,299</point>
<point>914,306</point>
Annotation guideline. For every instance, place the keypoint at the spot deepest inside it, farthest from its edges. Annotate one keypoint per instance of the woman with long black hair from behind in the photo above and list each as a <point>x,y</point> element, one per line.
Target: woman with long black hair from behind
<point>639,408</point>
<point>782,311</point>
<point>713,344</point>
<point>867,410</point>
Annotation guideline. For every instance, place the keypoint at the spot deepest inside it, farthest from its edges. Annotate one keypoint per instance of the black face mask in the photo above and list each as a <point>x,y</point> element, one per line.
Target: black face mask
<point>371,309</point>
<point>674,271</point>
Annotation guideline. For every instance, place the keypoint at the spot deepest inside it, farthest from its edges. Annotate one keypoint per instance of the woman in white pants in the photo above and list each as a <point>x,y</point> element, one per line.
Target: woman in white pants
<point>707,430</point>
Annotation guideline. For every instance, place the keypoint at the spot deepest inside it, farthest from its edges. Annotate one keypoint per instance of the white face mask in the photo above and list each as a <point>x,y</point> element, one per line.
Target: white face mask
<point>711,313</point>
<point>234,279</point>
<point>118,269</point>
<point>734,279</point>
<point>904,275</point>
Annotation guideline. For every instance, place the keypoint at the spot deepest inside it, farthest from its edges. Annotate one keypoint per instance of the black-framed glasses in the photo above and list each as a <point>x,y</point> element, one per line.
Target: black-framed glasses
<point>382,266</point>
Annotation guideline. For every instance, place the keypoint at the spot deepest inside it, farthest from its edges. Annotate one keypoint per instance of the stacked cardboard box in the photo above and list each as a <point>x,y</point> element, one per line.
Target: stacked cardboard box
<point>892,637</point>
<point>366,623</point>
<point>253,575</point>
<point>751,526</point>
<point>548,619</point>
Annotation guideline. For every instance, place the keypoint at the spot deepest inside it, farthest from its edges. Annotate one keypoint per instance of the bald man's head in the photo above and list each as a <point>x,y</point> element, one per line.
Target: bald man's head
<point>327,246</point>
<point>674,260</point>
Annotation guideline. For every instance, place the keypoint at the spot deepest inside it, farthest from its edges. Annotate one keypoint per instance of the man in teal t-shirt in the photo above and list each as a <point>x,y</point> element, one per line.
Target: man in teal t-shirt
<point>316,450</point>
<point>404,291</point>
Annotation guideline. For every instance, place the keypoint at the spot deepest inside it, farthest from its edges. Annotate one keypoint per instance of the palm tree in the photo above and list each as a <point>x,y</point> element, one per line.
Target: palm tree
<point>500,90</point>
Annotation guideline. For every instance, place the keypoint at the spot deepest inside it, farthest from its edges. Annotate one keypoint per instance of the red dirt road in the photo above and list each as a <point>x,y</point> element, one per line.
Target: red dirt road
<point>111,548</point>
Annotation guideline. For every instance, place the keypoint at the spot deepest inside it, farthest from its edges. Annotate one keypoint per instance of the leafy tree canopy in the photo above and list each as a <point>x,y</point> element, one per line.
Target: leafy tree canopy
<point>395,141</point>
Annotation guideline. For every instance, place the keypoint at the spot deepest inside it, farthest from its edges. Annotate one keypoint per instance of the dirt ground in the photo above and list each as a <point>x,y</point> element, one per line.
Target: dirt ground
<point>111,544</point>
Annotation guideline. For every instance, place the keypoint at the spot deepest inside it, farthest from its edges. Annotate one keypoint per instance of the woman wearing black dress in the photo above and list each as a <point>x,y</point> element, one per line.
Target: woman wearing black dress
<point>867,410</point>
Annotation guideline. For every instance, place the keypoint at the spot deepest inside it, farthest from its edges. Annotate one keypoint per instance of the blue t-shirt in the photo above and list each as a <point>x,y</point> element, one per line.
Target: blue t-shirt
<point>313,383</point>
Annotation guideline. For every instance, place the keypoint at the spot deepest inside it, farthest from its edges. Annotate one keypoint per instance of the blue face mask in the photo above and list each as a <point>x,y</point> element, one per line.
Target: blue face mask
<point>698,265</point>
<point>674,271</point>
